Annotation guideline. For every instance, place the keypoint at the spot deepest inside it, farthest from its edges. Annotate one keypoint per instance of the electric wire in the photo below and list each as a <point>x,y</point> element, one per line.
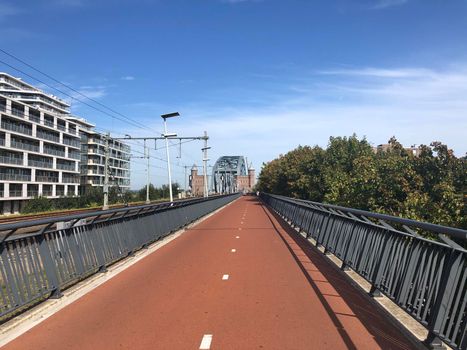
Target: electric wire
<point>69,87</point>
<point>72,97</point>
<point>125,118</point>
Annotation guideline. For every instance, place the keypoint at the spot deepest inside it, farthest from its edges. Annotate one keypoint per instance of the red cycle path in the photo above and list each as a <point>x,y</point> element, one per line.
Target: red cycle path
<point>280,294</point>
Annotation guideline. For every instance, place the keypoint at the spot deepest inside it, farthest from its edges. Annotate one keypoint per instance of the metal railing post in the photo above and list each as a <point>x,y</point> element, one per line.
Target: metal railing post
<point>49,268</point>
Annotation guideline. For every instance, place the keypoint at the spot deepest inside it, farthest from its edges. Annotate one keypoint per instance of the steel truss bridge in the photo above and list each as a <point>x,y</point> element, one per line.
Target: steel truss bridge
<point>225,171</point>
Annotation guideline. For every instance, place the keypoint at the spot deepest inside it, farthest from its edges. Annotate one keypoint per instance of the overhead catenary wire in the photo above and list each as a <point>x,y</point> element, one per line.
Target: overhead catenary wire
<point>138,143</point>
<point>127,120</point>
<point>115,114</point>
<point>68,87</point>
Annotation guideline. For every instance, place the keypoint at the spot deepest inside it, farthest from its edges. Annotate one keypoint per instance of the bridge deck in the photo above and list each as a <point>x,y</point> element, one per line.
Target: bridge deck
<point>279,294</point>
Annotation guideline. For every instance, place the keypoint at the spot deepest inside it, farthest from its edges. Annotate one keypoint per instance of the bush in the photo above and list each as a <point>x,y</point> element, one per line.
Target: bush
<point>92,197</point>
<point>38,205</point>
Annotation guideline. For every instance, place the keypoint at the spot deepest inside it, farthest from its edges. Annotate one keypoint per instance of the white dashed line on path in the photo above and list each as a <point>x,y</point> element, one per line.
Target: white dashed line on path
<point>225,277</point>
<point>206,342</point>
<point>233,250</point>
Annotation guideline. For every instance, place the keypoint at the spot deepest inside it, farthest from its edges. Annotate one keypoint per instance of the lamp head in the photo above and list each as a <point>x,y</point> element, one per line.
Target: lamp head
<point>170,115</point>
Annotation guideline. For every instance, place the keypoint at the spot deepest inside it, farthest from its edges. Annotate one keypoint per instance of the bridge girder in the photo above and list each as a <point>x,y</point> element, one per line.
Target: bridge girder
<point>225,171</point>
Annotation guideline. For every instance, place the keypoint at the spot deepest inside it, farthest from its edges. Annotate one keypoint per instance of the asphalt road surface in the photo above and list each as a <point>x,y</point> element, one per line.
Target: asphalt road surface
<point>238,280</point>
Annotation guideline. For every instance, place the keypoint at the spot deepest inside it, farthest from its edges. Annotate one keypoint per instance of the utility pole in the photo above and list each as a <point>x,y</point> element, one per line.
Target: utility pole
<point>186,182</point>
<point>205,164</point>
<point>167,136</point>
<point>146,154</point>
<point>106,173</point>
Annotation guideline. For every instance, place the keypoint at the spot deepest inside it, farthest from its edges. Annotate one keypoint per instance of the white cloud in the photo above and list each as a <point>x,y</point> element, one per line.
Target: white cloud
<point>128,77</point>
<point>382,4</point>
<point>416,104</point>
<point>381,72</point>
<point>94,92</point>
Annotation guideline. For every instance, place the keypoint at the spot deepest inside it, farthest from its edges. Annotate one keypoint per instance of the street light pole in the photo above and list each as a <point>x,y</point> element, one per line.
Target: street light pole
<point>168,160</point>
<point>146,154</point>
<point>106,173</point>
<point>166,136</point>
<point>205,165</point>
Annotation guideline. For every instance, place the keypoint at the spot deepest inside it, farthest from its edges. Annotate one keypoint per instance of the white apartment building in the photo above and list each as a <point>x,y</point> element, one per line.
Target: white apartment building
<point>39,147</point>
<point>93,158</point>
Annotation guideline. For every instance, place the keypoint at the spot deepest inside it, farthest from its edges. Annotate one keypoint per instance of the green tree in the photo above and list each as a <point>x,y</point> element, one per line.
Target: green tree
<point>431,186</point>
<point>156,193</point>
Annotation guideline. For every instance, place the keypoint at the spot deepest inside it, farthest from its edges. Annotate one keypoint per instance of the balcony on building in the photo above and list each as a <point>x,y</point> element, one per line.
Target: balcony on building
<point>48,120</point>
<point>72,129</point>
<point>16,190</point>
<point>46,176</point>
<point>47,190</point>
<point>24,143</point>
<point>17,109</point>
<point>15,126</point>
<point>74,154</point>
<point>14,174</point>
<point>34,115</point>
<point>2,104</point>
<point>61,125</point>
<point>70,178</point>
<point>10,157</point>
<point>60,190</point>
<point>33,190</point>
<point>65,165</point>
<point>71,142</point>
<point>40,161</point>
<point>54,150</point>
<point>48,135</point>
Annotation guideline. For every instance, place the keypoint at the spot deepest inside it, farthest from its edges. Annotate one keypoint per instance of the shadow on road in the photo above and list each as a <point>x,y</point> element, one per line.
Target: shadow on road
<point>349,308</point>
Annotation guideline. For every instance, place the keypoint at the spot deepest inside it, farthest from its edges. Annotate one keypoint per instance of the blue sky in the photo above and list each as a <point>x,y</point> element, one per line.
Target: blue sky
<point>261,76</point>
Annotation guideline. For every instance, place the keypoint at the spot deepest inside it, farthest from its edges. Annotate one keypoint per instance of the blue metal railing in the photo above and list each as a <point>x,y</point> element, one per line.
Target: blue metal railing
<point>425,277</point>
<point>39,258</point>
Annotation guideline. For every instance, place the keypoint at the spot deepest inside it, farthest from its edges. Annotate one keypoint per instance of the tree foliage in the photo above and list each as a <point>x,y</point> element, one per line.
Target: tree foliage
<point>430,186</point>
<point>92,197</point>
<point>156,193</point>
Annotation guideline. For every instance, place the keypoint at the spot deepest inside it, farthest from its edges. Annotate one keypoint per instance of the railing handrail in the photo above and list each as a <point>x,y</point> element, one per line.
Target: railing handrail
<point>98,212</point>
<point>58,252</point>
<point>435,228</point>
<point>424,277</point>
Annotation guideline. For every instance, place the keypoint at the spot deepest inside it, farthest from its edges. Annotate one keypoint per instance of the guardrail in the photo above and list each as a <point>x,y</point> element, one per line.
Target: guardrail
<point>425,277</point>
<point>39,258</point>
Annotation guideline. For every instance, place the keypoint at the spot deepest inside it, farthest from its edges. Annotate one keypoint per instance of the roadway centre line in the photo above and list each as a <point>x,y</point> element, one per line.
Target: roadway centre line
<point>233,250</point>
<point>237,237</point>
<point>225,277</point>
<point>206,342</point>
